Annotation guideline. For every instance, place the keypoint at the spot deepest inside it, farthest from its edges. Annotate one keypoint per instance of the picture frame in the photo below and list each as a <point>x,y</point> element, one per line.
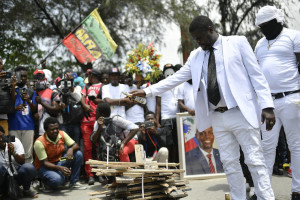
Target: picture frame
<point>188,145</point>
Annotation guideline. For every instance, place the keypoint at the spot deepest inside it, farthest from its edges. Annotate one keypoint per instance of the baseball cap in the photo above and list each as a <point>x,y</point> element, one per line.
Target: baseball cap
<point>95,72</point>
<point>38,71</point>
<point>168,66</point>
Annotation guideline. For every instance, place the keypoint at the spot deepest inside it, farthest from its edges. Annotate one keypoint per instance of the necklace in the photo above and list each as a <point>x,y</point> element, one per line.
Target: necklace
<point>269,45</point>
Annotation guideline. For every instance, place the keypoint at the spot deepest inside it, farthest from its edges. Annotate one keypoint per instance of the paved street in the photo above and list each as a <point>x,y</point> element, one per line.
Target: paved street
<point>213,189</point>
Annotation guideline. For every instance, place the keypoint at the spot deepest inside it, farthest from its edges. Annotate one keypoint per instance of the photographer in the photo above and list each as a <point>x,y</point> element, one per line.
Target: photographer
<point>151,138</point>
<point>47,105</point>
<point>21,123</point>
<point>105,128</point>
<point>7,95</point>
<point>72,114</point>
<point>11,146</point>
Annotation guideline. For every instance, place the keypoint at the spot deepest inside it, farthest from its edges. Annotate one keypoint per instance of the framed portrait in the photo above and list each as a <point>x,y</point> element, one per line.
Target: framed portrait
<point>198,153</point>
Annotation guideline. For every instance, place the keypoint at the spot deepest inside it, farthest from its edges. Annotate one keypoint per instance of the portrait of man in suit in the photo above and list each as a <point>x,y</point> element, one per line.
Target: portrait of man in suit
<point>204,159</point>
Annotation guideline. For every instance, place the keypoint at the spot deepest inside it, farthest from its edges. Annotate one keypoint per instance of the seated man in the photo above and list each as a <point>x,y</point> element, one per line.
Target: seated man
<point>150,138</point>
<point>52,165</point>
<point>26,172</point>
<point>204,159</point>
<point>116,126</point>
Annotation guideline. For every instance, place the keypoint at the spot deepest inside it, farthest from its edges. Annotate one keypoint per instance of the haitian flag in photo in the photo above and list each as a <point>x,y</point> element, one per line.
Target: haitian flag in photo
<point>189,130</point>
<point>90,40</point>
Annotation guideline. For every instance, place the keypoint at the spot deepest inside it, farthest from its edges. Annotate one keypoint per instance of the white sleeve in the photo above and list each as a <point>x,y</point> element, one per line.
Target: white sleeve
<point>184,74</point>
<point>19,149</point>
<point>123,123</point>
<point>257,78</point>
<point>296,42</point>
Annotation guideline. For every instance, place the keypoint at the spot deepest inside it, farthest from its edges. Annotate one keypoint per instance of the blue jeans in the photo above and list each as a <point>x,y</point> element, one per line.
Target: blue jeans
<point>56,178</point>
<point>73,130</point>
<point>26,174</point>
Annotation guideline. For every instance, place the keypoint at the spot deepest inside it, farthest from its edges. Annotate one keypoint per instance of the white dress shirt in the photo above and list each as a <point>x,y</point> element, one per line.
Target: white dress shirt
<point>225,93</point>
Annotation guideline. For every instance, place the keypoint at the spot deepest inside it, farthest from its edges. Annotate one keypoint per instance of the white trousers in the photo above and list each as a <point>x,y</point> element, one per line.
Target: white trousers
<point>26,138</point>
<point>287,114</point>
<point>231,130</point>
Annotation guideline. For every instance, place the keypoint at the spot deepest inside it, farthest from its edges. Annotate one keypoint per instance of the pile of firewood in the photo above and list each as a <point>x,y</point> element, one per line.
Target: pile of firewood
<point>147,180</point>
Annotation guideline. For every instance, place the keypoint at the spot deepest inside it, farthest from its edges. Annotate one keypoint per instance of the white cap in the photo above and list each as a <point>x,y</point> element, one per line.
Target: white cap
<point>267,13</point>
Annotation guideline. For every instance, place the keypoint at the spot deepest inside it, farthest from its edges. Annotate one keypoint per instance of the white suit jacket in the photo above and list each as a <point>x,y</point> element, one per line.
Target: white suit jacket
<point>246,81</point>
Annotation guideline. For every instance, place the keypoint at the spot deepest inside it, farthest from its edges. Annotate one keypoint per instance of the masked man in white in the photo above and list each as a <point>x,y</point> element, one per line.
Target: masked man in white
<point>277,54</point>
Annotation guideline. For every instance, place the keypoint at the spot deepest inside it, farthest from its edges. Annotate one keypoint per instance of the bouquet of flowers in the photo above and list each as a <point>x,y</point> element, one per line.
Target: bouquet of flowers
<point>144,61</point>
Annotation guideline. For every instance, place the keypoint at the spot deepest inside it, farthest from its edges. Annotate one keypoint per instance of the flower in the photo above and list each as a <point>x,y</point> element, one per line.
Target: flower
<point>144,61</point>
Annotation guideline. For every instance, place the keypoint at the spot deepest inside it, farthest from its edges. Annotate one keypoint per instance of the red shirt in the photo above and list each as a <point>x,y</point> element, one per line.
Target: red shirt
<point>93,90</point>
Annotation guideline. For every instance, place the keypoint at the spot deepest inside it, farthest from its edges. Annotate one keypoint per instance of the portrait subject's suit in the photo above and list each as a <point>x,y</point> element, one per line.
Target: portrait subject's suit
<point>196,163</point>
<point>245,85</point>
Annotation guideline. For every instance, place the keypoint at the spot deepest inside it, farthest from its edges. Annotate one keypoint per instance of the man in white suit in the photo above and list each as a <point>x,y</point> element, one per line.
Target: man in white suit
<point>226,83</point>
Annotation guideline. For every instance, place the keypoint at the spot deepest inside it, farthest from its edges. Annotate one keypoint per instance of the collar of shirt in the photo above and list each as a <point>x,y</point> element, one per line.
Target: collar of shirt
<point>217,44</point>
<point>53,142</point>
<point>205,153</point>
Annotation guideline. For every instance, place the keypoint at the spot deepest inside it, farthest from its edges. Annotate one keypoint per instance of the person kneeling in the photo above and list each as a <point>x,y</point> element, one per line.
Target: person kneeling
<point>151,140</point>
<point>12,147</point>
<point>108,131</point>
<point>52,167</point>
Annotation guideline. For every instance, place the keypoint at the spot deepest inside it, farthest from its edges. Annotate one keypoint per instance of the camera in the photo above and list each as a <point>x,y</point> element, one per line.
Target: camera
<point>91,97</point>
<point>148,124</point>
<point>66,85</point>
<point>39,86</point>
<point>7,74</point>
<point>107,120</point>
<point>8,138</point>
<point>18,76</point>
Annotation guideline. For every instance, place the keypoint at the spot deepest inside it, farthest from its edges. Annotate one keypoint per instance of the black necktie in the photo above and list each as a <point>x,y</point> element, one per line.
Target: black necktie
<point>213,92</point>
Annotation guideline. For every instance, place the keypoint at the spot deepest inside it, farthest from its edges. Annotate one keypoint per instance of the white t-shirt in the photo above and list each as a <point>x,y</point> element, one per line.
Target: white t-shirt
<point>19,149</point>
<point>136,112</point>
<point>151,101</point>
<point>115,92</point>
<point>279,62</point>
<point>169,103</point>
<point>185,93</point>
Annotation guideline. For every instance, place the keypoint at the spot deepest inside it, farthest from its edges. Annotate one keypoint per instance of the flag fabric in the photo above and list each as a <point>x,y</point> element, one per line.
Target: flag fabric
<point>189,130</point>
<point>90,40</point>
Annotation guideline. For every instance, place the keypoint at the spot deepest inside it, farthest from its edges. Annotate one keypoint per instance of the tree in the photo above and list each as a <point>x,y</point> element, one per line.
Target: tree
<point>48,21</point>
<point>28,26</point>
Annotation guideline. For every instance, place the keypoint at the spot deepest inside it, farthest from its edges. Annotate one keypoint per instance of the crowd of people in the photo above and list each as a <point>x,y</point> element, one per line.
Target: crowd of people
<point>50,119</point>
<point>42,122</point>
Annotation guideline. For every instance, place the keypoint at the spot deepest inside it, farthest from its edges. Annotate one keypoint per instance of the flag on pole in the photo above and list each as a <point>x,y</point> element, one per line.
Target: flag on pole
<point>90,40</point>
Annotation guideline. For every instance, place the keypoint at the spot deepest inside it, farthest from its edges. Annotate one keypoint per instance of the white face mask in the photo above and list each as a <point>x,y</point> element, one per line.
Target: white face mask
<point>169,72</point>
